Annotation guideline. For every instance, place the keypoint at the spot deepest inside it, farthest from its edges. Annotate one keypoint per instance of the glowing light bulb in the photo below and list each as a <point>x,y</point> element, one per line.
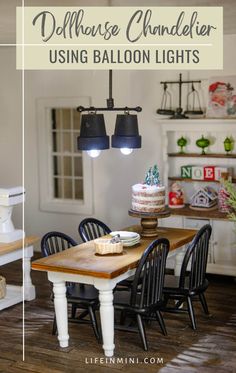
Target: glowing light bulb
<point>126,151</point>
<point>94,153</point>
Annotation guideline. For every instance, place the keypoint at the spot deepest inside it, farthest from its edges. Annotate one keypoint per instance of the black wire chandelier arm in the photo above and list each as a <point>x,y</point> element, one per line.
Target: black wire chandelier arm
<point>180,81</point>
<point>81,109</point>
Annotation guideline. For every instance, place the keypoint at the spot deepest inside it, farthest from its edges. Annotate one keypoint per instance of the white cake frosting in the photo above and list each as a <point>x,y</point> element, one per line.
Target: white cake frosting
<point>148,198</point>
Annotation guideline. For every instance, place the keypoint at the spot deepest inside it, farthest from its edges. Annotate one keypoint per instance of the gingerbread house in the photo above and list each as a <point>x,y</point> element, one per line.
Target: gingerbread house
<point>204,198</point>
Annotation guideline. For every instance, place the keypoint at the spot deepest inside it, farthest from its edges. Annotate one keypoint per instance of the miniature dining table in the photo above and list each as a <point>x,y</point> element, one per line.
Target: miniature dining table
<point>80,264</point>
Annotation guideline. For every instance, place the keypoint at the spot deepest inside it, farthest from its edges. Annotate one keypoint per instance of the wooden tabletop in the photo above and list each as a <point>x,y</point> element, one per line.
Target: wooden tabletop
<point>6,248</point>
<point>82,260</point>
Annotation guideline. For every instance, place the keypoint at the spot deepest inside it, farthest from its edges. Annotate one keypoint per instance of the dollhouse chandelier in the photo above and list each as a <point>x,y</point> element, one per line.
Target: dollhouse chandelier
<point>93,137</point>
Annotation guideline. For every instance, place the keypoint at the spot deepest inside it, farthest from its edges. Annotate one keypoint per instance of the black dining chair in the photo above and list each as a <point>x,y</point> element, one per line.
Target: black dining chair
<point>91,228</point>
<point>80,296</point>
<point>192,283</point>
<point>145,298</point>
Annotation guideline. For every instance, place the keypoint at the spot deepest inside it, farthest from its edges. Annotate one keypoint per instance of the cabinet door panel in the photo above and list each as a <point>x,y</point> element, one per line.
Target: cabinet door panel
<point>172,221</point>
<point>224,242</point>
<point>195,223</point>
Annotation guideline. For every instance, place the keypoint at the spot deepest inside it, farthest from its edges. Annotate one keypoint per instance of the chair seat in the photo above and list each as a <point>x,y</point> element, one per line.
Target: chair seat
<point>127,283</point>
<point>81,292</point>
<point>121,298</point>
<point>122,301</point>
<point>171,286</point>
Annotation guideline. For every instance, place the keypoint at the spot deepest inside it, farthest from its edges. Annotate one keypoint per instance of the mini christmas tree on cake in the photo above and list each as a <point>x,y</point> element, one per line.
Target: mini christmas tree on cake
<point>152,176</point>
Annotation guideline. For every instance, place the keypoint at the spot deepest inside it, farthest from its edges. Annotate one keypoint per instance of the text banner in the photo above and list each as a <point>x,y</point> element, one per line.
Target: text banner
<point>120,38</point>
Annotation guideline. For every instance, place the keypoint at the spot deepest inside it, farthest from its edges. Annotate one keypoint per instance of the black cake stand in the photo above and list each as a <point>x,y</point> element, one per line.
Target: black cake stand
<point>149,221</point>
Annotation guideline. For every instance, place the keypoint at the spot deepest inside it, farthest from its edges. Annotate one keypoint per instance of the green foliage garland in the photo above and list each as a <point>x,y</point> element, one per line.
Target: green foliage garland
<point>231,189</point>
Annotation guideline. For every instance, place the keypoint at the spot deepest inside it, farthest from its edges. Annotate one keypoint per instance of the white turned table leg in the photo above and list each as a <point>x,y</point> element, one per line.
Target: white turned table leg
<point>107,320</point>
<point>29,289</point>
<point>60,304</point>
<point>178,262</point>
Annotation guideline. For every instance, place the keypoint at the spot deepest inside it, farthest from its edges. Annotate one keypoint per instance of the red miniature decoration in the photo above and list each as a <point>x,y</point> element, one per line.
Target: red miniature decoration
<point>176,196</point>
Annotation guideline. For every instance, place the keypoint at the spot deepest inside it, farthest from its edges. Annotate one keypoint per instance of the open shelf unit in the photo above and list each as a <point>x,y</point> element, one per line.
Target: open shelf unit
<point>222,250</point>
<point>196,155</point>
<point>14,295</point>
<point>207,214</point>
<point>186,180</point>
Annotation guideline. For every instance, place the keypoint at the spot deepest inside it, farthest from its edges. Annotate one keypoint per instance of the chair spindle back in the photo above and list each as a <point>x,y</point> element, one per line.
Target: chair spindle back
<point>196,255</point>
<point>149,277</point>
<point>55,242</point>
<point>91,228</point>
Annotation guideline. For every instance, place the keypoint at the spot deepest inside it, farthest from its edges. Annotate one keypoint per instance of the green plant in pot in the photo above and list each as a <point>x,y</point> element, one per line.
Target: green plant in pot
<point>231,189</point>
<point>231,201</point>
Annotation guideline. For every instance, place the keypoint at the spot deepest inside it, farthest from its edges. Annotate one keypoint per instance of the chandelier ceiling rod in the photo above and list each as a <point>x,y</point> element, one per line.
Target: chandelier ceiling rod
<point>110,103</point>
<point>110,100</point>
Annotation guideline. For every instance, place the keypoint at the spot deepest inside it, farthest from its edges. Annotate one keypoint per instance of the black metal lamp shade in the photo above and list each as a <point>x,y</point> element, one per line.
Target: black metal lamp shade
<point>93,133</point>
<point>126,133</point>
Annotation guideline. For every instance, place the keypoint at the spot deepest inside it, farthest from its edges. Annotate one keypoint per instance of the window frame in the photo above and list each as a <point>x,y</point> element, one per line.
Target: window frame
<point>45,157</point>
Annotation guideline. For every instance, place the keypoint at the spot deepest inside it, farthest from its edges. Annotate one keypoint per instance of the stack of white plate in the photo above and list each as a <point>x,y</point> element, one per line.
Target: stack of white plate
<point>126,237</point>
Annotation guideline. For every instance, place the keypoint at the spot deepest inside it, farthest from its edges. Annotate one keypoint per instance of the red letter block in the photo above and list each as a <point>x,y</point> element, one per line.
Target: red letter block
<point>209,173</point>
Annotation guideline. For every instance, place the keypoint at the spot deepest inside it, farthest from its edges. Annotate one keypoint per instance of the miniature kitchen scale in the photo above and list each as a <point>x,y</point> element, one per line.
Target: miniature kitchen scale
<point>10,197</point>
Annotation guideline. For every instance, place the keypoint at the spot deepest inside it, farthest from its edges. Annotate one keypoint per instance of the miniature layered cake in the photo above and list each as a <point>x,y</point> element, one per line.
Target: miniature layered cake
<point>149,196</point>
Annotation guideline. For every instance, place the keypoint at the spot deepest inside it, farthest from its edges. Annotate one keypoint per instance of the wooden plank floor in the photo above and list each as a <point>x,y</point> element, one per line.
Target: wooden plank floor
<point>210,349</point>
